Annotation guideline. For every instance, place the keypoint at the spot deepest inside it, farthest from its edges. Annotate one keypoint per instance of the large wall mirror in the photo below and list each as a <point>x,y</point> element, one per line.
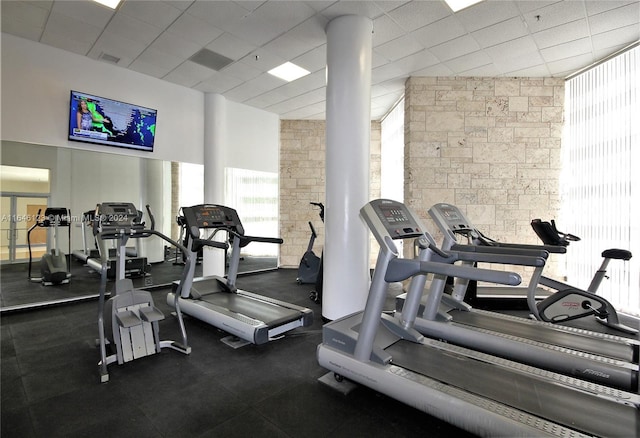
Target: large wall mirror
<point>35,176</point>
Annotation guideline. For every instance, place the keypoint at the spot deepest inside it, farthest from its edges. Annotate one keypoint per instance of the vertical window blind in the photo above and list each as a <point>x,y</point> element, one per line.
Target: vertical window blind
<point>254,195</point>
<point>600,181</point>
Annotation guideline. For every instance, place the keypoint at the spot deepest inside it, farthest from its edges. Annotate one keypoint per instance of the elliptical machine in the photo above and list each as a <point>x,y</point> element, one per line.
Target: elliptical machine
<point>569,302</point>
<point>54,268</point>
<point>128,320</point>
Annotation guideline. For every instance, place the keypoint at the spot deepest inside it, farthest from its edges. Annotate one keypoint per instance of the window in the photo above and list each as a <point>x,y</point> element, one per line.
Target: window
<point>601,176</point>
<point>254,195</point>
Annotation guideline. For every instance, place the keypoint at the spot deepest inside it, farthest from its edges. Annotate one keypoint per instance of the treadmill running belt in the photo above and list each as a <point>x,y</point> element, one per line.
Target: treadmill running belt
<point>270,314</point>
<point>537,333</point>
<point>535,396</point>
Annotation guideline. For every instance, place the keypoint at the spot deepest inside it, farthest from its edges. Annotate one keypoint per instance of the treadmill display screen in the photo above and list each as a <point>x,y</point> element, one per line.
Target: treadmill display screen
<point>450,213</point>
<point>394,215</point>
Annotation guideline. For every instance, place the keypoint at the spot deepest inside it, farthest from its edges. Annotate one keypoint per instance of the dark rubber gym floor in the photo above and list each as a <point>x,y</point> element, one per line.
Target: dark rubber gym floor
<point>50,385</point>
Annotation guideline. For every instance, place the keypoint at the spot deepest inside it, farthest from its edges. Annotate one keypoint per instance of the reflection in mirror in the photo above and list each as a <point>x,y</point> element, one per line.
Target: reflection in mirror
<point>78,180</point>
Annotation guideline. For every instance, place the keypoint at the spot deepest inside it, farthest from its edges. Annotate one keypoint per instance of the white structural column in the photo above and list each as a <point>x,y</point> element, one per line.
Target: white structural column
<point>348,132</point>
<point>215,143</point>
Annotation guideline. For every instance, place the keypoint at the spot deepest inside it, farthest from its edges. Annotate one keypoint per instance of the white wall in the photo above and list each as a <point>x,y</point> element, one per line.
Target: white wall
<point>37,79</point>
<point>253,137</point>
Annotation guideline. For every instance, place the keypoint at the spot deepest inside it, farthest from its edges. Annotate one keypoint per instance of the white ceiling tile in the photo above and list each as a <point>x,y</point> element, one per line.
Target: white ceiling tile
<point>175,45</point>
<point>455,48</point>
<point>500,32</point>
<point>222,14</point>
<point>525,6</point>
<point>616,38</point>
<point>314,59</point>
<point>399,48</point>
<point>194,71</point>
<point>149,69</point>
<point>434,70</point>
<point>468,62</point>
<point>230,46</point>
<point>615,18</point>
<point>266,60</point>
<point>518,47</point>
<point>416,61</point>
<point>385,29</point>
<point>563,33</point>
<point>367,9</point>
<point>385,72</point>
<point>282,19</point>
<point>117,46</point>
<point>157,13</point>
<point>133,29</point>
<point>573,63</point>
<point>267,99</point>
<point>539,70</point>
<point>576,48</point>
<point>72,28</point>
<point>89,12</point>
<point>218,83</point>
<point>597,7</point>
<point>488,70</point>
<point>25,13</point>
<point>439,32</point>
<point>179,79</point>
<point>554,15</point>
<point>287,46</point>
<point>510,62</point>
<point>160,59</point>
<point>487,13</point>
<point>16,28</point>
<point>180,4</point>
<point>194,29</point>
<point>242,71</point>
<point>66,42</point>
<point>414,15</point>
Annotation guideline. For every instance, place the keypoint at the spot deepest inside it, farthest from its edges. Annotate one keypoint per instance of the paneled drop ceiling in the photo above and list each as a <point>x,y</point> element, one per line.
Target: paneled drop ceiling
<point>248,38</point>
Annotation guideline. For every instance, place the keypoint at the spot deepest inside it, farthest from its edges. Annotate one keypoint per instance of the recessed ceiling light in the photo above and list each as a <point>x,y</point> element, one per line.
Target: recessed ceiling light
<point>109,3</point>
<point>289,72</point>
<point>457,5</point>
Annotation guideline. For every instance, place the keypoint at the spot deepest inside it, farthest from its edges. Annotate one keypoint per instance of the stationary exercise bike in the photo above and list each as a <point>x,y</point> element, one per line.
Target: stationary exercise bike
<point>316,294</point>
<point>570,303</point>
<point>53,265</point>
<point>310,262</point>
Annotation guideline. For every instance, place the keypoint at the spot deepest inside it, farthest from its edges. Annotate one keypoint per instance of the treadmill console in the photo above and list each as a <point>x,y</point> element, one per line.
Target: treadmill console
<point>117,216</point>
<point>56,215</point>
<point>392,218</point>
<point>448,216</point>
<point>211,216</point>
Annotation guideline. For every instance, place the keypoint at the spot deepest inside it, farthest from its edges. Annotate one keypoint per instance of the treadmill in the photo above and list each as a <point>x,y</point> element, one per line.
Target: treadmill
<point>217,301</point>
<point>478,392</point>
<point>93,258</point>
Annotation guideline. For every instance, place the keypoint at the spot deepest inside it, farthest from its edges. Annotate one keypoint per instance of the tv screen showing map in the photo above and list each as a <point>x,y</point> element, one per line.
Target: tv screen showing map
<point>94,119</point>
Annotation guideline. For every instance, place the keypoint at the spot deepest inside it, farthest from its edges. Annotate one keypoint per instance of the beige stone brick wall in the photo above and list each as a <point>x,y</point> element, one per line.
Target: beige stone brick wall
<point>491,146</point>
<point>302,180</point>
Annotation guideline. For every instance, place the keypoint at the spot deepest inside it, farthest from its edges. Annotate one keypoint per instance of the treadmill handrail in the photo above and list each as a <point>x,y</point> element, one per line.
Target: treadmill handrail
<point>245,240</point>
<point>402,269</point>
<point>533,252</point>
<point>506,259</point>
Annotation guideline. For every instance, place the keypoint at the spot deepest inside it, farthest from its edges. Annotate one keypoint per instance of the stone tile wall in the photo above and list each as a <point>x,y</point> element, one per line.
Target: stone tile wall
<point>491,146</point>
<point>302,180</point>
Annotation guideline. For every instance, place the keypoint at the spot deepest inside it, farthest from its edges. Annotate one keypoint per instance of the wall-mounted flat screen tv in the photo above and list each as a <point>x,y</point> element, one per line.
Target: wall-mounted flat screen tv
<point>95,119</point>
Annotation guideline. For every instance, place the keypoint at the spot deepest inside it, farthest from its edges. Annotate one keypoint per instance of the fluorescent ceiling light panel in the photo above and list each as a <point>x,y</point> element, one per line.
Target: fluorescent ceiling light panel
<point>457,5</point>
<point>289,72</point>
<point>109,3</point>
